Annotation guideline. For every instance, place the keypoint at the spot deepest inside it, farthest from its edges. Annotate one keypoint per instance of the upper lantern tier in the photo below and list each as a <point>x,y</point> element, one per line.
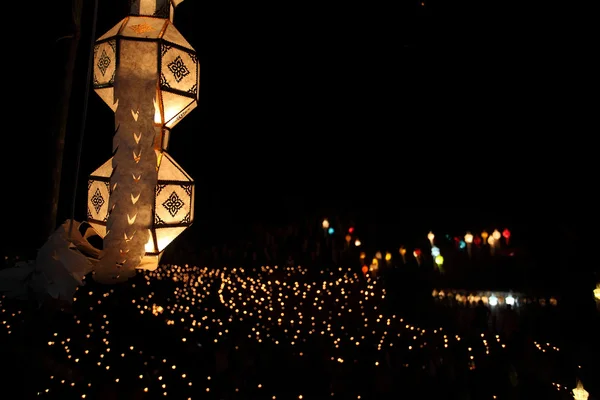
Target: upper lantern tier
<point>153,47</point>
<point>154,8</point>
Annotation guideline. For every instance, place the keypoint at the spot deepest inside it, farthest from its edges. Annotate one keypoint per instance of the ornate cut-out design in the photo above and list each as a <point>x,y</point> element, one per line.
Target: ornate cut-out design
<point>103,62</point>
<point>97,200</point>
<point>141,28</point>
<point>160,187</point>
<point>173,204</point>
<point>178,69</point>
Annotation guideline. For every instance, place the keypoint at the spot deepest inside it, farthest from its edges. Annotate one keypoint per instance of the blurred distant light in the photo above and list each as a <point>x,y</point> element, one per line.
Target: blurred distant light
<point>388,256</point>
<point>506,233</point>
<point>439,260</point>
<point>493,300</point>
<point>351,229</point>
<point>430,236</point>
<point>435,251</point>
<point>597,292</point>
<point>331,231</point>
<point>462,244</point>
<point>362,255</point>
<point>348,238</point>
<point>510,300</point>
<point>496,234</point>
<point>378,255</point>
<point>325,223</point>
<point>469,237</point>
<point>357,243</point>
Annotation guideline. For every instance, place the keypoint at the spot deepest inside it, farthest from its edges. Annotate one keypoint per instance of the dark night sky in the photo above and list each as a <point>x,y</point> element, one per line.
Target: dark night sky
<point>412,121</point>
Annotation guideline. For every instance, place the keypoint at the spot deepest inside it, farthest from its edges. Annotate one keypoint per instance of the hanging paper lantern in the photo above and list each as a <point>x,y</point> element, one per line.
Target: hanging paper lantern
<point>172,206</point>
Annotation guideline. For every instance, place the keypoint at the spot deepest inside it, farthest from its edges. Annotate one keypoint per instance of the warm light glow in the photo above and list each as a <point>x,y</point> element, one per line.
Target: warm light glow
<point>597,292</point>
<point>439,260</point>
<point>378,255</point>
<point>496,234</point>
<point>388,256</point>
<point>348,238</point>
<point>579,393</point>
<point>491,240</point>
<point>469,238</point>
<point>402,251</point>
<point>357,243</point>
<point>430,236</point>
<point>325,224</point>
<point>484,235</point>
<point>362,255</point>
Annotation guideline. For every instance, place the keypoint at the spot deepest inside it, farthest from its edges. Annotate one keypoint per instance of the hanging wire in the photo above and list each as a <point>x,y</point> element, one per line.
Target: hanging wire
<point>86,95</point>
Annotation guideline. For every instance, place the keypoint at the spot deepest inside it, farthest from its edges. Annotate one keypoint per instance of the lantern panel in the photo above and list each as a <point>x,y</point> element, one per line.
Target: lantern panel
<point>175,107</point>
<point>169,170</point>
<point>105,63</point>
<point>173,204</point>
<point>164,236</point>
<point>143,27</point>
<point>179,70</point>
<point>98,195</point>
<point>138,57</point>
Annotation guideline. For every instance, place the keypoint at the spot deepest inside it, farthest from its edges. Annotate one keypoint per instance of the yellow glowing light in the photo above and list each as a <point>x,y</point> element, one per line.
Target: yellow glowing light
<point>597,292</point>
<point>439,260</point>
<point>496,234</point>
<point>430,236</point>
<point>469,238</point>
<point>579,393</point>
<point>402,251</point>
<point>388,256</point>
<point>357,243</point>
<point>484,236</point>
<point>325,224</point>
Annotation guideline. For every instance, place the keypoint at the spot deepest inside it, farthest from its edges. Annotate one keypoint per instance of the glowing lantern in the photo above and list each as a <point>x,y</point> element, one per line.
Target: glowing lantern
<point>351,230</point>
<point>435,251</point>
<point>325,224</point>
<point>597,292</point>
<point>439,261</point>
<point>417,255</point>
<point>492,242</point>
<point>477,240</point>
<point>348,239</point>
<point>357,243</point>
<point>469,238</point>
<point>172,207</point>
<point>497,236</point>
<point>362,255</point>
<point>388,256</point>
<point>149,75</point>
<point>484,236</point>
<point>579,393</point>
<point>493,300</point>
<point>462,244</point>
<point>331,231</point>
<point>469,241</point>
<point>510,300</point>
<point>378,255</point>
<point>430,236</point>
<point>402,252</point>
<point>506,234</point>
<point>365,269</point>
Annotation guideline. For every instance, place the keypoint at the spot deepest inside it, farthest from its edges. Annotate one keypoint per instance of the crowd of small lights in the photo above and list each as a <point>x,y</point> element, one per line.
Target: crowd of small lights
<point>277,306</point>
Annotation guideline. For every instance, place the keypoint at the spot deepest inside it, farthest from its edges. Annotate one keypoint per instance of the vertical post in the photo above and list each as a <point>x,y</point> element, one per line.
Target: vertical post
<point>60,120</point>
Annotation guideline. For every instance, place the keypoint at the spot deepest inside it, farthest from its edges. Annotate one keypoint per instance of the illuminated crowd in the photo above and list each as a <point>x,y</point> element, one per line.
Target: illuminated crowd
<point>266,333</point>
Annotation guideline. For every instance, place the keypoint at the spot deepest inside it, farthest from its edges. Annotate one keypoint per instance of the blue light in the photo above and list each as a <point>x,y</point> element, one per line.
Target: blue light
<point>462,244</point>
<point>331,231</point>
<point>435,251</point>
